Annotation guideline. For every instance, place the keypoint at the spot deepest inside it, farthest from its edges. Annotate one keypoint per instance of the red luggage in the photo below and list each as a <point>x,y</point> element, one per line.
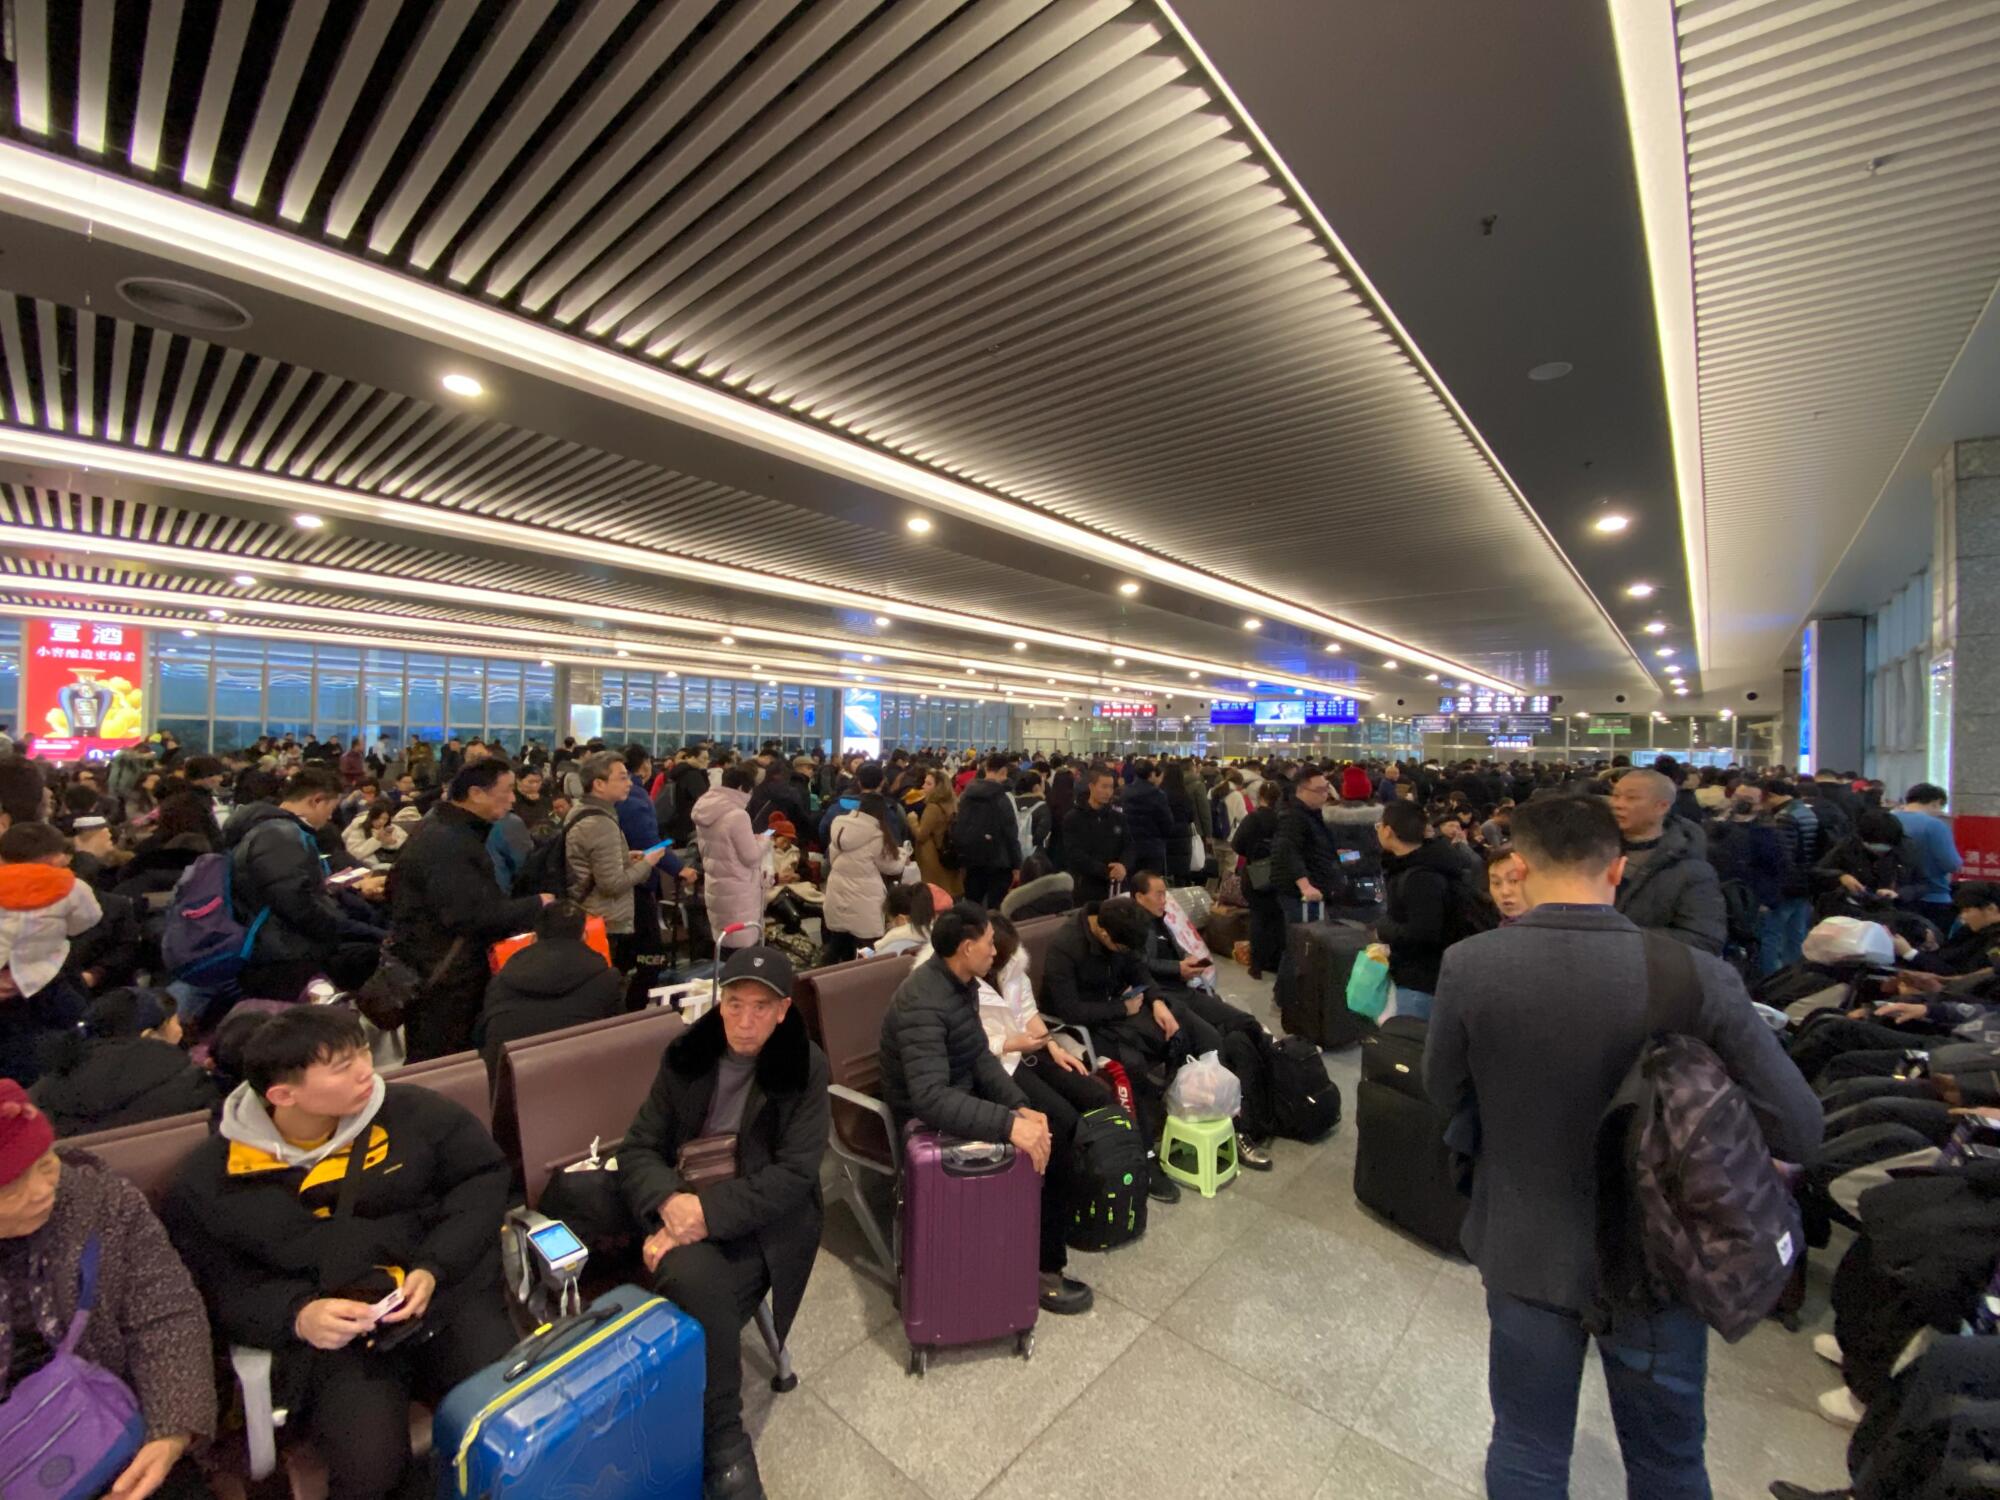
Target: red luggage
<point>972,1219</point>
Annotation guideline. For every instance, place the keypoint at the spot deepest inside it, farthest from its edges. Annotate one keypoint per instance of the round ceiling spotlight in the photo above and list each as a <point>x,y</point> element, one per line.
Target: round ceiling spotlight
<point>881,619</point>
<point>180,302</point>
<point>1639,591</point>
<point>1391,664</point>
<point>1657,627</point>
<point>919,524</point>
<point>1555,369</point>
<point>1664,651</point>
<point>244,581</point>
<point>1128,588</point>
<point>1610,525</point>
<point>462,385</point>
<point>1251,622</point>
<point>305,520</point>
<point>1020,645</point>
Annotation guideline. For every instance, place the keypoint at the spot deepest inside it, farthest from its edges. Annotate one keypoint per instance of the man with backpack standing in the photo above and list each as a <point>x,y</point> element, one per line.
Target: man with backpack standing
<point>1431,905</point>
<point>986,835</point>
<point>1535,1030</point>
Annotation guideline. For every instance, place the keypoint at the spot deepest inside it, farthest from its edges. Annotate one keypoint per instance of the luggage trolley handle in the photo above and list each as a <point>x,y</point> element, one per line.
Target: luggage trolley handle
<point>540,1344</point>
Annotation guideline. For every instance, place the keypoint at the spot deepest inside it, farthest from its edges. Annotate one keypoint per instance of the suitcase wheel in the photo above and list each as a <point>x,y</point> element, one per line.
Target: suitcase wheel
<point>1024,1343</point>
<point>920,1360</point>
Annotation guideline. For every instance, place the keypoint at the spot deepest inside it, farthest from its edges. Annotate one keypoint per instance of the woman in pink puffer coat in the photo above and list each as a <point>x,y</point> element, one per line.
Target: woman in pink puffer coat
<point>732,857</point>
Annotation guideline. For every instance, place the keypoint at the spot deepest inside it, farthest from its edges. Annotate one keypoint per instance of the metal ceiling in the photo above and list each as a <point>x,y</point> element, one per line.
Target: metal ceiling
<point>1844,189</point>
<point>1022,241</point>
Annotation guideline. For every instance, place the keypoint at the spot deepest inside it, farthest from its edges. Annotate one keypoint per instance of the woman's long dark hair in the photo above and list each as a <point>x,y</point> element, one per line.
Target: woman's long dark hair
<point>873,805</point>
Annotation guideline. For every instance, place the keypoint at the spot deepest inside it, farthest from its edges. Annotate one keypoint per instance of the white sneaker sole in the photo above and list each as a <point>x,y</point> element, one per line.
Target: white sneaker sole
<point>1827,1347</point>
<point>1840,1407</point>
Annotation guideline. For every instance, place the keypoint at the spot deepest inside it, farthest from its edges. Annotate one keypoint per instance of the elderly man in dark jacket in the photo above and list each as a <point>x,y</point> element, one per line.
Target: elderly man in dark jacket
<point>1669,883</point>
<point>937,1067</point>
<point>447,909</point>
<point>746,1069</point>
<point>1535,1027</point>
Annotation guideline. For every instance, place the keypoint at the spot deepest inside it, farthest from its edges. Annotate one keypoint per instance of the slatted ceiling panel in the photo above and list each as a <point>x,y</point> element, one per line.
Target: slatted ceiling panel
<point>903,218</point>
<point>1844,191</point>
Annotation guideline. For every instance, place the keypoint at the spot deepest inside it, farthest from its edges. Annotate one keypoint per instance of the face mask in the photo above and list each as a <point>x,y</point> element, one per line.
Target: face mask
<point>1878,848</point>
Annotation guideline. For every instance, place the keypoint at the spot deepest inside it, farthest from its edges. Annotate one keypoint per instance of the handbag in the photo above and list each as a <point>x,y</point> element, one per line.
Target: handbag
<point>707,1160</point>
<point>1257,873</point>
<point>70,1428</point>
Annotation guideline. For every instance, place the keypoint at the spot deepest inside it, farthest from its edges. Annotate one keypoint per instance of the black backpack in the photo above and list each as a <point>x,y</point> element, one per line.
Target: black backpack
<point>1110,1172</point>
<point>545,872</point>
<point>1305,1103</point>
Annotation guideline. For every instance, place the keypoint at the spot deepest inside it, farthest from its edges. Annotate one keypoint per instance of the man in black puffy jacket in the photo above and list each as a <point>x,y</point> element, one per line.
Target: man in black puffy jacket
<point>558,980</point>
<point>1148,818</point>
<point>986,835</point>
<point>938,1068</point>
<point>1428,905</point>
<point>1096,844</point>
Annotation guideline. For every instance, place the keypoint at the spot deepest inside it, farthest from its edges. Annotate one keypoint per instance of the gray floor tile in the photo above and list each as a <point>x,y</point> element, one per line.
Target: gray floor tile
<point>1181,1241</point>
<point>1323,1195</point>
<point>1313,1313</point>
<point>1365,1470</point>
<point>956,1428</point>
<point>843,1305</point>
<point>805,1452</point>
<point>1242,1440</point>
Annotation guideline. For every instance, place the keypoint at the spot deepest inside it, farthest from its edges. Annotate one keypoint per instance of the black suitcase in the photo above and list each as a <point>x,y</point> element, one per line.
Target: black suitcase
<point>1314,1004</point>
<point>1402,1168</point>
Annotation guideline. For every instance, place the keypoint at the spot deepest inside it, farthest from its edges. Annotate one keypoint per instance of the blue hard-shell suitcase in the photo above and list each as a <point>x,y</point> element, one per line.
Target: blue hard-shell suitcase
<point>604,1405</point>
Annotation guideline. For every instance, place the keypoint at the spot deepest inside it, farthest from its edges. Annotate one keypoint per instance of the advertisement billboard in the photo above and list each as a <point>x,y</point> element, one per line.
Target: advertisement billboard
<point>1281,711</point>
<point>82,687</point>
<point>861,722</point>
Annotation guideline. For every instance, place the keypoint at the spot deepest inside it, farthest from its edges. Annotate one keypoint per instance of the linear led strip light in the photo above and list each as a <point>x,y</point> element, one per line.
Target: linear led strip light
<point>93,202</point>
<point>673,654</point>
<point>190,627</point>
<point>1379,306</point>
<point>919,672</point>
<point>293,495</point>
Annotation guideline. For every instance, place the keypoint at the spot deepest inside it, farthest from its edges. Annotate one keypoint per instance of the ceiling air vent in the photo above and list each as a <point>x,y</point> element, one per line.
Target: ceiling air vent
<point>181,303</point>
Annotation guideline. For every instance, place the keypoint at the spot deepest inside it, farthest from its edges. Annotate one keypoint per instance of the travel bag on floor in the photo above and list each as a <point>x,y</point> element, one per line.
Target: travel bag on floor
<point>972,1220</point>
<point>1304,1102</point>
<point>1403,1169</point>
<point>1394,1054</point>
<point>1314,1004</point>
<point>1110,1171</point>
<point>605,1404</point>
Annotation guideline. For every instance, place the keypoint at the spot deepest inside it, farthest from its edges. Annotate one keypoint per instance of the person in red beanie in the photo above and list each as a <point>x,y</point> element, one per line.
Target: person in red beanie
<point>1355,785</point>
<point>148,1327</point>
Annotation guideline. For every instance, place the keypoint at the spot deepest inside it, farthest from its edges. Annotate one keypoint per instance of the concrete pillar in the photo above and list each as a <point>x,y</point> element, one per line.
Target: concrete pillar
<point>1965,627</point>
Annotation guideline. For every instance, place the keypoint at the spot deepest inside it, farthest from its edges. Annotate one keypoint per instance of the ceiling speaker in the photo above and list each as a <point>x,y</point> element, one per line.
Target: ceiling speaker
<point>183,303</point>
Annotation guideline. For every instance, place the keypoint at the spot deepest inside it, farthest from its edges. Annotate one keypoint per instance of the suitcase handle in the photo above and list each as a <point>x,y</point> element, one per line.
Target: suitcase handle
<point>540,1344</point>
<point>957,1162</point>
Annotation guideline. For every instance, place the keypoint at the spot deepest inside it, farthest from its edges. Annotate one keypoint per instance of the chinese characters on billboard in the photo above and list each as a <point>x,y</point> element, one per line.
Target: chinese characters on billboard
<point>82,684</point>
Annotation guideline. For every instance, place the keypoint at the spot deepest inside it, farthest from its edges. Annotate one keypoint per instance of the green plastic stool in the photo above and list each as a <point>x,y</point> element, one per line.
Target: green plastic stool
<point>1211,1144</point>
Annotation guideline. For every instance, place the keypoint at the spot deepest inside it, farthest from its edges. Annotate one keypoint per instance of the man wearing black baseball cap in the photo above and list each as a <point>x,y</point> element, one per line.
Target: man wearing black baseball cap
<point>722,1167</point>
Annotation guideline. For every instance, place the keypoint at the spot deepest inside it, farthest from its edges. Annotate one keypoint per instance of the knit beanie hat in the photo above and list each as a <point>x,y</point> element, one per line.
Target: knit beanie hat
<point>1355,785</point>
<point>25,1132</point>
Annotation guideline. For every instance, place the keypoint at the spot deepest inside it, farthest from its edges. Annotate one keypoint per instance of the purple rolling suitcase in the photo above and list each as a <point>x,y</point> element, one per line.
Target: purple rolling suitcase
<point>972,1219</point>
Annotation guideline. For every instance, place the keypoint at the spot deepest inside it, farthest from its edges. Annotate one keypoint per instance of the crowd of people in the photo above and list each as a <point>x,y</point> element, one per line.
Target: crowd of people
<point>347,1222</point>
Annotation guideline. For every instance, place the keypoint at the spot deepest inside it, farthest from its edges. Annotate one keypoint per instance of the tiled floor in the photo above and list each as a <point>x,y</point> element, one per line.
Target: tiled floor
<point>1275,1342</point>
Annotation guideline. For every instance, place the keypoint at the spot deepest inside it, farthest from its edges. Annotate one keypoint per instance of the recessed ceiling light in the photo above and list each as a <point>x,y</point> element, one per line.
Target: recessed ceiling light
<point>1251,622</point>
<point>1251,683</point>
<point>1333,645</point>
<point>919,524</point>
<point>623,652</point>
<point>1664,651</point>
<point>1657,627</point>
<point>1391,664</point>
<point>1193,675</point>
<point>1052,682</point>
<point>1639,591</point>
<point>190,634</point>
<point>1680,692</point>
<point>1020,645</point>
<point>756,666</point>
<point>1128,588</point>
<point>1430,677</point>
<point>1582,716</point>
<point>729,640</point>
<point>866,657</point>
<point>307,521</point>
<point>1298,692</point>
<point>218,614</point>
<point>547,663</point>
<point>972,671</point>
<point>881,619</point>
<point>462,385</point>
<point>1611,524</point>
<point>1117,661</point>
<point>244,581</point>
<point>1555,369</point>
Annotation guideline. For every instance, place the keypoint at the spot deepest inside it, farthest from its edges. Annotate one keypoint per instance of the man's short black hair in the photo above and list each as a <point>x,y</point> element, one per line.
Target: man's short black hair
<point>1970,893</point>
<point>1098,772</point>
<point>311,781</point>
<point>20,789</point>
<point>560,921</point>
<point>999,762</point>
<point>1142,770</point>
<point>293,1040</point>
<point>1924,791</point>
<point>1143,881</point>
<point>739,777</point>
<point>24,842</point>
<point>869,777</point>
<point>478,777</point>
<point>1028,781</point>
<point>1407,821</point>
<point>636,755</point>
<point>1567,832</point>
<point>958,924</point>
<point>1778,786</point>
<point>1124,921</point>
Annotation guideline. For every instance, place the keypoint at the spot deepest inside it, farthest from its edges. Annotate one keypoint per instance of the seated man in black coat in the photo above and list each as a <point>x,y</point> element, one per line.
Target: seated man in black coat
<point>1095,975</point>
<point>939,1068</point>
<point>295,1242</point>
<point>717,1244</point>
<point>556,981</point>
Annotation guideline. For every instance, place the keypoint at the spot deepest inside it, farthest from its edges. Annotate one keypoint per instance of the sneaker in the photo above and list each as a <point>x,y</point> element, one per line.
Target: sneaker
<point>1253,1154</point>
<point>1827,1347</point>
<point>1161,1188</point>
<point>1840,1407</point>
<point>1065,1295</point>
<point>734,1481</point>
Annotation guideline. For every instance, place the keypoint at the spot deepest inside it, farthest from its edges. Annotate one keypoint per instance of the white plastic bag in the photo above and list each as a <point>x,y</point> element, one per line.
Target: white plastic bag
<point>1204,1090</point>
<point>1848,940</point>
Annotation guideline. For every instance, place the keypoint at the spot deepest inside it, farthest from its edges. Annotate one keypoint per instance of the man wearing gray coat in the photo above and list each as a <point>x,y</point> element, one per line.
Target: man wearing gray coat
<point>1533,1028</point>
<point>1669,883</point>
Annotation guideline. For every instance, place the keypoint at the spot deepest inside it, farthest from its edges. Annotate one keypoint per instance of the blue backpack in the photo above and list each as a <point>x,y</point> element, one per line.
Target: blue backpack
<point>204,943</point>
